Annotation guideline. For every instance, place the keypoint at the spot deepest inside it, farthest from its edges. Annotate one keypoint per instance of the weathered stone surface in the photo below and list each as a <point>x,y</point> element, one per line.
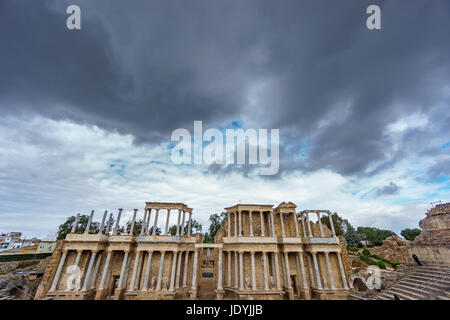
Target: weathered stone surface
<point>433,244</point>
<point>394,248</point>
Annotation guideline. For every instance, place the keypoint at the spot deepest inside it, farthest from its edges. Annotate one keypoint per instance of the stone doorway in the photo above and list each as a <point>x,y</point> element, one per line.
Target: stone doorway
<point>207,275</point>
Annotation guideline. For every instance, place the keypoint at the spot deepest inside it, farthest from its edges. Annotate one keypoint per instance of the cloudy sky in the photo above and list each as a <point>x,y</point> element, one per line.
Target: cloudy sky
<point>86,115</point>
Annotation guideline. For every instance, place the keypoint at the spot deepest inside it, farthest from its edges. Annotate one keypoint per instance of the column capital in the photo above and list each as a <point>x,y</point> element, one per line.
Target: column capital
<point>110,250</point>
<point>79,250</point>
<point>66,251</point>
<point>94,251</point>
<point>252,252</point>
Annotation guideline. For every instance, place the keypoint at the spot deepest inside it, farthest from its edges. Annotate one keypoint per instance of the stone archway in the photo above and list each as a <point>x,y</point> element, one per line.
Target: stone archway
<point>358,285</point>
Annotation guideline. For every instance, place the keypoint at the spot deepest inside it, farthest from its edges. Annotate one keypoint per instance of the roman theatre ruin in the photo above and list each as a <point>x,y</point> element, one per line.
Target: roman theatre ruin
<point>259,252</point>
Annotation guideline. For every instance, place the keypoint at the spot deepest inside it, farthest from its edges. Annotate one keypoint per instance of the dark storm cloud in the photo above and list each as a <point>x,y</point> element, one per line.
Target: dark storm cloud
<point>149,67</point>
<point>440,168</point>
<point>390,189</point>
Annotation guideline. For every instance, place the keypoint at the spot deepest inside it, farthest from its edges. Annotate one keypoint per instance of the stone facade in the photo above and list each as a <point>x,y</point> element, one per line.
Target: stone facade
<point>277,253</point>
<point>260,252</point>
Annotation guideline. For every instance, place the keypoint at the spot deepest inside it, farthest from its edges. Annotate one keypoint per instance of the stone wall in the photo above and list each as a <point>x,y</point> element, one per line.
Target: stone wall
<point>433,244</point>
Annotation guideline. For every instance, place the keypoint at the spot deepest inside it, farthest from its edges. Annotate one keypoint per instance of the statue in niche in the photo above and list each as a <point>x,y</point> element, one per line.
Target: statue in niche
<point>272,282</point>
<point>247,282</point>
<point>152,285</point>
<point>75,275</point>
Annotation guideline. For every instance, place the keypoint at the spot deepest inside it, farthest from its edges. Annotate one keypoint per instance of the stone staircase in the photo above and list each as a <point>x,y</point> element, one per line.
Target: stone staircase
<point>427,282</point>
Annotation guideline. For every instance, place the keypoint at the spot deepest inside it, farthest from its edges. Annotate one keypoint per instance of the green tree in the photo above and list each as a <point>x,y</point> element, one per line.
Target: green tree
<point>410,234</point>
<point>66,227</point>
<point>195,227</point>
<point>337,222</point>
<point>137,227</point>
<point>374,236</point>
<point>352,237</point>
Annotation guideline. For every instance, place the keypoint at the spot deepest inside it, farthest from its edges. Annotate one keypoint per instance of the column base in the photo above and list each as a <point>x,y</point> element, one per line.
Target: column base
<point>100,294</point>
<point>118,294</point>
<point>193,293</point>
<point>219,294</point>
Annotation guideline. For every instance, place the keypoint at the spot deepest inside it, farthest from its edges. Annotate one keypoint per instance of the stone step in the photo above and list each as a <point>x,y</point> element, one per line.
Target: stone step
<point>404,295</point>
<point>442,280</point>
<point>442,298</point>
<point>383,296</point>
<point>416,282</point>
<point>355,297</point>
<point>418,289</point>
<point>430,273</point>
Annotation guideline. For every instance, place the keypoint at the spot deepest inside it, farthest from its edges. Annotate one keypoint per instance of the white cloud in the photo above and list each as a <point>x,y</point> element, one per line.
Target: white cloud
<point>50,170</point>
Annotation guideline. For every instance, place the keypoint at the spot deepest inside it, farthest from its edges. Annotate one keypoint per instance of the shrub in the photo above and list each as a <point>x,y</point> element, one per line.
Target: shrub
<point>367,260</point>
<point>352,249</point>
<point>381,264</point>
<point>366,252</point>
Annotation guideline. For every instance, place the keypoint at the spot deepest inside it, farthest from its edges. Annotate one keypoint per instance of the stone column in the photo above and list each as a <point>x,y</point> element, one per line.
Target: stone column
<point>309,224</point>
<point>155,224</point>
<point>178,223</point>
<point>108,225</point>
<point>182,223</point>
<point>316,268</point>
<point>147,271</point>
<point>302,219</point>
<point>241,270</point>
<point>133,222</point>
<point>320,225</point>
<point>273,224</point>
<point>88,226</point>
<point>160,271</point>
<point>332,224</point>
<point>190,224</point>
<point>250,214</point>
<point>288,271</point>
<point>252,253</point>
<point>330,272</point>
<point>166,230</point>
<point>235,224</point>
<point>147,222</point>
<point>58,270</point>
<point>229,270</point>
<point>105,270</point>
<point>277,271</point>
<point>116,227</point>
<point>261,217</point>
<point>229,223</point>
<point>236,272</point>
<point>144,223</point>
<point>102,225</point>
<point>311,274</point>
<point>177,280</point>
<point>266,278</point>
<point>303,271</point>
<point>77,260</point>
<point>283,234</point>
<point>194,271</point>
<point>135,269</point>
<point>89,271</point>
<point>294,215</point>
<point>96,269</point>
<point>174,267</point>
<point>219,271</point>
<point>186,261</point>
<point>341,267</point>
<point>122,271</point>
<point>75,223</point>
<point>240,223</point>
